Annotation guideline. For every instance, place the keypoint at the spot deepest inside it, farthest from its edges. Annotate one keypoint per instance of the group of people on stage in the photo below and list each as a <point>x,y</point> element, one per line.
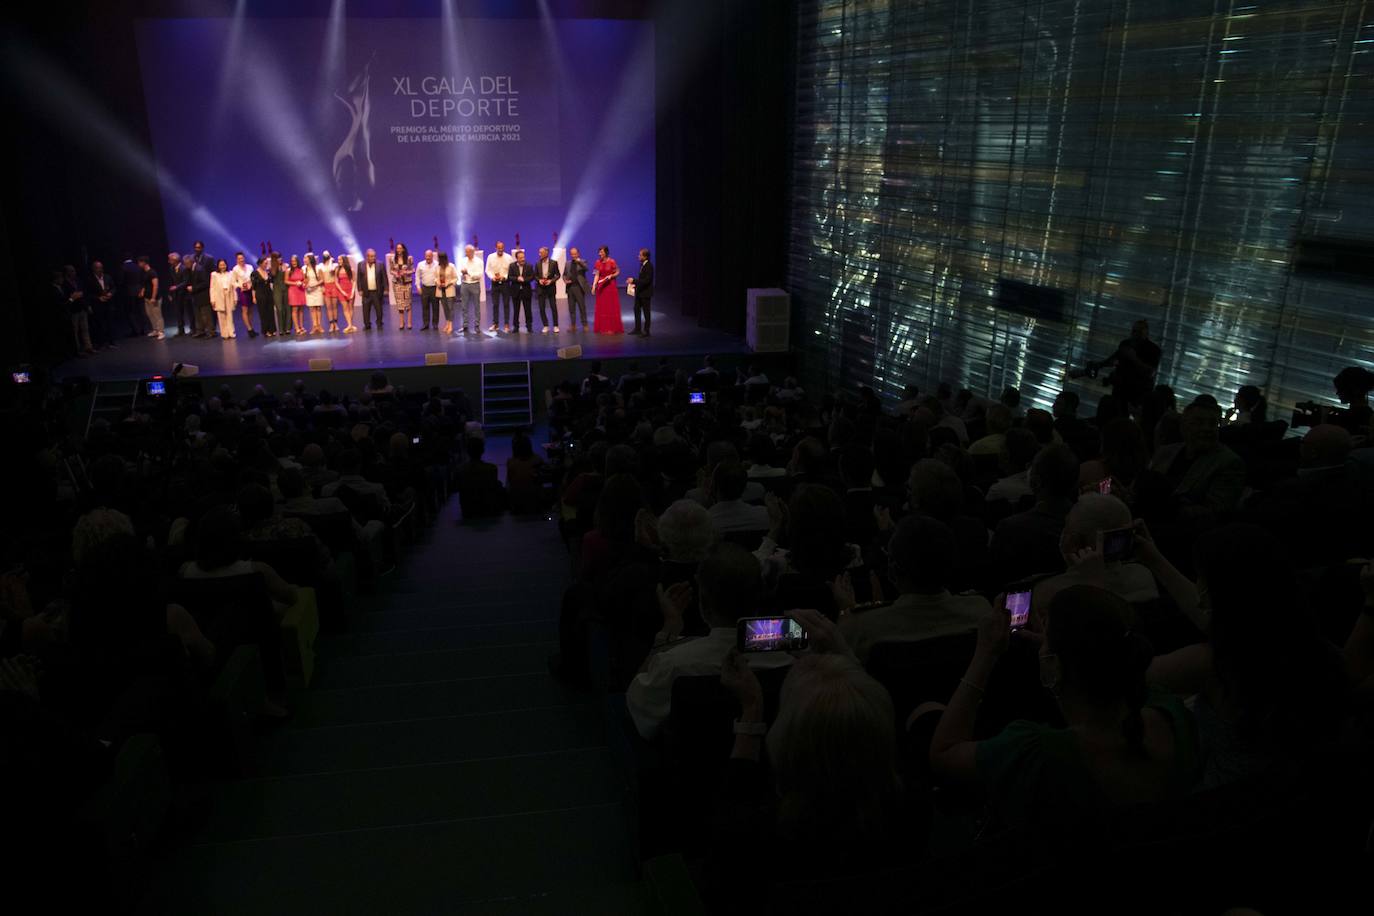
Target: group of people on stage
<point>310,295</point>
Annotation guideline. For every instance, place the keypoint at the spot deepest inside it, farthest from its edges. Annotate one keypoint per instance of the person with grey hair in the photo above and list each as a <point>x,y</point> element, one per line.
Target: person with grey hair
<point>832,750</point>
<point>685,532</point>
<point>470,290</point>
<point>1081,545</point>
<point>372,283</point>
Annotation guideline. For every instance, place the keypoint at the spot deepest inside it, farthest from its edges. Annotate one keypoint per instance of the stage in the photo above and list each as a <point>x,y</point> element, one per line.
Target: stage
<point>140,357</point>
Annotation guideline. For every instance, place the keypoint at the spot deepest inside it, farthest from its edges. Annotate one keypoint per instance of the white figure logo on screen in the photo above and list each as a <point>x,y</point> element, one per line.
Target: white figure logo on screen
<point>354,173</point>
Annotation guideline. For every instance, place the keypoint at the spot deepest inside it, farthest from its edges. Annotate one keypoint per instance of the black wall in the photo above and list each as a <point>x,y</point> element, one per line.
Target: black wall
<point>723,152</point>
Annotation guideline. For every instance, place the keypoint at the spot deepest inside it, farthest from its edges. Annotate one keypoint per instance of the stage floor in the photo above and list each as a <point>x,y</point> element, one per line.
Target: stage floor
<point>139,357</point>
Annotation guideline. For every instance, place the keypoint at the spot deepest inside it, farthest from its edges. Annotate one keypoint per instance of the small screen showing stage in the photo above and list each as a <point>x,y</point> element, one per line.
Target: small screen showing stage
<point>346,133</point>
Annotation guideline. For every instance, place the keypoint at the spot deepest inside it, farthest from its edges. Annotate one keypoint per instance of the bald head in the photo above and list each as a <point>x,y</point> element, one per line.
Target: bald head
<point>1326,446</point>
<point>1092,514</point>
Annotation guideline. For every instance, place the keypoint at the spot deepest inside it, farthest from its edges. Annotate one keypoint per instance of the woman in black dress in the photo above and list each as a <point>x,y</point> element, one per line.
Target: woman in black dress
<point>262,298</point>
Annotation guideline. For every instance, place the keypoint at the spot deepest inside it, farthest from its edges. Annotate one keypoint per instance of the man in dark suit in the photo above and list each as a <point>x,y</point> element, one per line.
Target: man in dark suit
<point>129,308</point>
<point>644,292</point>
<point>100,292</point>
<point>521,276</point>
<point>546,287</point>
<point>371,282</point>
<point>198,285</point>
<point>575,281</point>
<point>177,303</point>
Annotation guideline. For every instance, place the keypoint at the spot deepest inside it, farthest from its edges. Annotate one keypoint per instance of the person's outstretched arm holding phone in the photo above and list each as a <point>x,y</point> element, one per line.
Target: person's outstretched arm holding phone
<point>953,752</point>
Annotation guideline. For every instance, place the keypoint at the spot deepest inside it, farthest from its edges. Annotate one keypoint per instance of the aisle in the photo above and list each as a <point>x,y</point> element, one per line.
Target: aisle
<point>434,766</point>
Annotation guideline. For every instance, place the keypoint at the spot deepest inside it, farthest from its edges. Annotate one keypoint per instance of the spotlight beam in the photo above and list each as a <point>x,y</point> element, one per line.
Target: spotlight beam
<point>74,112</point>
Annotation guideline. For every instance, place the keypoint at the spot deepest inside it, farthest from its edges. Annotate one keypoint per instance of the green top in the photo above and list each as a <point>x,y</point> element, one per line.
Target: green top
<point>279,287</point>
<point>1036,774</point>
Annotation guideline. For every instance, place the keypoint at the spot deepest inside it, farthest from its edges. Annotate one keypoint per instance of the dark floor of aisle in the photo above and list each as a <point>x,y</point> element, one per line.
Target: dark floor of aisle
<point>434,765</point>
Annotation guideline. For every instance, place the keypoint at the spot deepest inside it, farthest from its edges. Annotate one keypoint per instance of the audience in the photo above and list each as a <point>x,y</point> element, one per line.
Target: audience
<point>1230,548</point>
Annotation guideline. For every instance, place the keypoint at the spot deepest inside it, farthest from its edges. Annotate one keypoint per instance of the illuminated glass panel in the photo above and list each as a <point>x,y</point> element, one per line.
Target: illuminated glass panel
<point>1150,159</point>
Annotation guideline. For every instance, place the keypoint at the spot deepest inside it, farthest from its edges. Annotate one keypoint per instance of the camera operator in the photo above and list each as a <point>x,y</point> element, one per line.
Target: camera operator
<point>1136,361</point>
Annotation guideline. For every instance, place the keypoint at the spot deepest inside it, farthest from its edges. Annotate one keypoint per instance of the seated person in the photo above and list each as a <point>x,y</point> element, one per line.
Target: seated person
<point>1267,687</point>
<point>728,510</point>
<point>728,587</point>
<point>935,490</point>
<point>218,537</point>
<point>685,538</point>
<point>478,484</point>
<point>1201,479</point>
<point>1027,543</point>
<point>920,557</point>
<point>523,470</point>
<point>1122,745</point>
<point>1018,450</point>
<point>350,464</point>
<point>716,453</point>
<point>1080,545</point>
<point>998,420</point>
<point>317,475</point>
<point>835,782</point>
<point>100,548</point>
<point>256,515</point>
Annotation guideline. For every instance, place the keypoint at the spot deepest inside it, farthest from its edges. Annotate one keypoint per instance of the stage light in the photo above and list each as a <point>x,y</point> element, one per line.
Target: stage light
<point>78,117</point>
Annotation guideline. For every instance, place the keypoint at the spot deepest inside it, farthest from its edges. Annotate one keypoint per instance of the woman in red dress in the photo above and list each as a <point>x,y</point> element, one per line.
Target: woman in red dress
<point>607,320</point>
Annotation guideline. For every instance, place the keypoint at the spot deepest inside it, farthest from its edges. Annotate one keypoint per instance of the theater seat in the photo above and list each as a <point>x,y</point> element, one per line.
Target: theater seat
<point>916,671</point>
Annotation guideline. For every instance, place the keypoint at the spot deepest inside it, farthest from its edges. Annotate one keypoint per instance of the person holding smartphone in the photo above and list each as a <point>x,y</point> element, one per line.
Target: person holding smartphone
<point>834,781</point>
<point>728,586</point>
<point>920,556</point>
<point>1123,744</point>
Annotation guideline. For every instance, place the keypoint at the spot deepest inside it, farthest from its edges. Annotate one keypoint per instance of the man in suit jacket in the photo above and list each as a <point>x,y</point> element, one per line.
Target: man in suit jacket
<point>644,292</point>
<point>198,285</point>
<point>575,281</point>
<point>177,303</point>
<point>546,287</point>
<point>521,276</point>
<point>100,292</point>
<point>371,281</point>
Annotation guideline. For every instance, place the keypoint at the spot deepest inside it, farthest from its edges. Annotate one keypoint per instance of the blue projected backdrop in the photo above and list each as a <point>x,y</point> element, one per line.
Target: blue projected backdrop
<point>404,128</point>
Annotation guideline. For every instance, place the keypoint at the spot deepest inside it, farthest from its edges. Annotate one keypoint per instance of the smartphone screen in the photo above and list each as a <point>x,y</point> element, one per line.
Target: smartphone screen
<point>769,634</point>
<point>696,397</point>
<point>415,440</point>
<point>1018,606</point>
<point>1104,486</point>
<point>21,378</point>
<point>1117,544</point>
<point>157,388</point>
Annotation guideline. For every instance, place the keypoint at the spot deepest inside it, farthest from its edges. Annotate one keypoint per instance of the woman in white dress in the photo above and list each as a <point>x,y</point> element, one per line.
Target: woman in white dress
<point>314,293</point>
<point>223,297</point>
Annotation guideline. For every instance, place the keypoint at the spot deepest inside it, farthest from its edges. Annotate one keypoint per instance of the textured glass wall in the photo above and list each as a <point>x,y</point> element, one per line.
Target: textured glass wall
<point>1151,159</point>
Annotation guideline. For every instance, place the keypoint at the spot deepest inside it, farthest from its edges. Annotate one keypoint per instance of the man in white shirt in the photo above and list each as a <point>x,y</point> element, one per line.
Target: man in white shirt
<point>1090,517</point>
<point>729,513</point>
<point>427,275</point>
<point>920,556</point>
<point>728,584</point>
<point>372,282</point>
<point>498,266</point>
<point>470,289</point>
